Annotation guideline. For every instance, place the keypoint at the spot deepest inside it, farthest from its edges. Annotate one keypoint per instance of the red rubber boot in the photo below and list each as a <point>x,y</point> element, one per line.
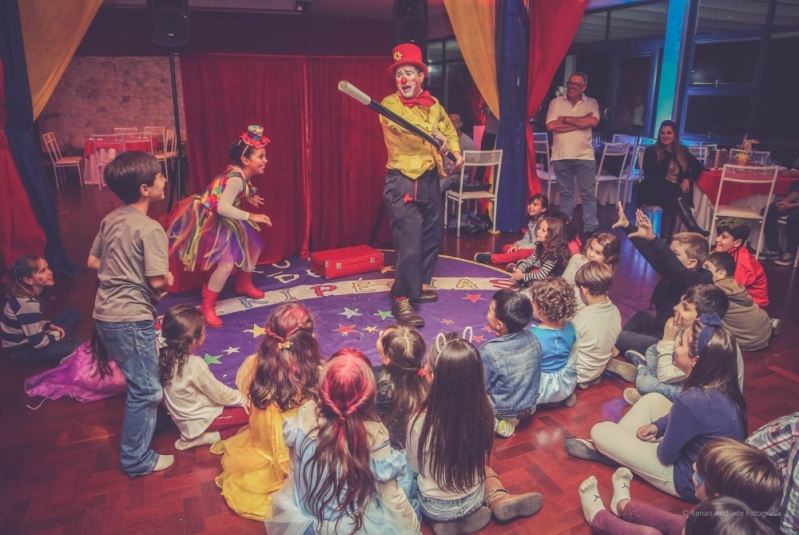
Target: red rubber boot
<point>208,310</point>
<point>244,286</point>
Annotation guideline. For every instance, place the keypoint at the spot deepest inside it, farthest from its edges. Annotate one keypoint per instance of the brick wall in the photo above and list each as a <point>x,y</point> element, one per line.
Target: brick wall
<point>97,94</point>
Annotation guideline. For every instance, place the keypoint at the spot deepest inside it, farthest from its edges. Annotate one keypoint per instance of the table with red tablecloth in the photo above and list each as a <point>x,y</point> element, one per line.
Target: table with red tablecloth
<point>744,195</point>
<point>91,169</point>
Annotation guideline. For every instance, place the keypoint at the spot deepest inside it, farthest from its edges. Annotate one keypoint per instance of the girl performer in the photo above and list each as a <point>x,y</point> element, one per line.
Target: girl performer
<point>212,231</point>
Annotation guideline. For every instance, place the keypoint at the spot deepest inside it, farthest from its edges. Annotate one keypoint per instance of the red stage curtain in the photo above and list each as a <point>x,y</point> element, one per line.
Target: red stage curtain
<point>223,94</point>
<point>347,155</point>
<point>553,26</point>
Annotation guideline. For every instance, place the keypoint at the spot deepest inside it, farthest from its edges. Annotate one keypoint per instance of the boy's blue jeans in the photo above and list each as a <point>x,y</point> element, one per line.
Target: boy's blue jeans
<point>134,348</point>
<point>647,380</point>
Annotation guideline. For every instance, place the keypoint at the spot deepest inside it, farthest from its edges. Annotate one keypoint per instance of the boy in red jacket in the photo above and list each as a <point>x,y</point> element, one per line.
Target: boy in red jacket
<point>731,238</point>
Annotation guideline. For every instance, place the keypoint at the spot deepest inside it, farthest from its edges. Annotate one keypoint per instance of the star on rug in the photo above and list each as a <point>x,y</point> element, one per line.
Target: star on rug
<point>344,329</point>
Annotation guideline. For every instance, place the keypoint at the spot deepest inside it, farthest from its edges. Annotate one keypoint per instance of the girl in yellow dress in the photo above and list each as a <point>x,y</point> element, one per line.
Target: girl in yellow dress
<point>280,377</point>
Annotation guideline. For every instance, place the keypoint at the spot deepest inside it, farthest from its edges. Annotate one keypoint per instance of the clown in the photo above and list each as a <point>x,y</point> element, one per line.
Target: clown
<point>412,194</point>
<point>211,231</point>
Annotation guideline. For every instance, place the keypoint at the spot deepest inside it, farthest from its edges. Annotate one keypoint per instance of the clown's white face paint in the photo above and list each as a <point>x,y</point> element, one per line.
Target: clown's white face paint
<point>409,81</point>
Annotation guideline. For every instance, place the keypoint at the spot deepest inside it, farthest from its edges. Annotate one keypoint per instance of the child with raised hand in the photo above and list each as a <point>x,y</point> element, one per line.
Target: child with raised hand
<point>511,361</point>
<point>724,467</point>
<point>449,444</point>
<point>732,233</point>
<point>203,409</point>
<point>748,322</point>
<point>659,440</point>
<point>537,207</point>
<point>27,338</point>
<point>679,265</point>
<point>551,254</point>
<point>725,516</point>
<point>554,304</point>
<point>343,472</point>
<point>401,385</point>
<point>280,377</point>
<point>598,322</point>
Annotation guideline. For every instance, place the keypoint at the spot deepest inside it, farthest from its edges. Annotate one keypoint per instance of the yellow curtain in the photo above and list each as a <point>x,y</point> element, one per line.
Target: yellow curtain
<point>473,22</point>
<point>52,31</point>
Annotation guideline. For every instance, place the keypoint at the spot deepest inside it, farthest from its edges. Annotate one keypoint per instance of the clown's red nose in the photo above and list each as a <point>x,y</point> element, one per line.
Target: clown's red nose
<point>403,80</point>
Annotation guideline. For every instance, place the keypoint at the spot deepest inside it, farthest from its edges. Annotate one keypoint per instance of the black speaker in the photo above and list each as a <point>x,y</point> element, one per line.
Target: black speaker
<point>169,22</point>
<point>410,23</point>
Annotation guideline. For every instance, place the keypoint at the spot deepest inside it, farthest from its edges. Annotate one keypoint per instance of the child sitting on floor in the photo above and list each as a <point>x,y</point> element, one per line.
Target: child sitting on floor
<point>280,377</point>
<point>449,443</point>
<point>554,304</point>
<point>731,237</point>
<point>724,467</point>
<point>203,409</point>
<point>401,386</point>
<point>570,232</point>
<point>27,338</point>
<point>512,361</point>
<point>680,267</point>
<point>343,472</point>
<point>537,207</point>
<point>598,323</point>
<point>748,322</point>
<point>603,248</point>
<point>551,254</point>
<point>725,516</point>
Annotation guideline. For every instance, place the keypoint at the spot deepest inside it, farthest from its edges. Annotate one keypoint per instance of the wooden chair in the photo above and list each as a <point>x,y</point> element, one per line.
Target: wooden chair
<point>60,162</point>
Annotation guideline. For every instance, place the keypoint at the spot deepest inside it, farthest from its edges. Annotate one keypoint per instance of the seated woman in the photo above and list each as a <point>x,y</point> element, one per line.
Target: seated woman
<point>660,440</point>
<point>670,171</point>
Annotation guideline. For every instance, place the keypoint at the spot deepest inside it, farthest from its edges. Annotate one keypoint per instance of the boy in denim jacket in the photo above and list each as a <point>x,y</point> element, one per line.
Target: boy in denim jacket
<point>512,361</point>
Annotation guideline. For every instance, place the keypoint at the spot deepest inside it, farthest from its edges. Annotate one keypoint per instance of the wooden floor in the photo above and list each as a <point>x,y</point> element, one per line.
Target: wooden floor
<point>59,465</point>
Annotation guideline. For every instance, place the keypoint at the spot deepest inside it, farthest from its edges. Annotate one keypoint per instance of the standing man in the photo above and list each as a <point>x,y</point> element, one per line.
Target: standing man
<point>412,194</point>
<point>454,175</point>
<point>570,118</point>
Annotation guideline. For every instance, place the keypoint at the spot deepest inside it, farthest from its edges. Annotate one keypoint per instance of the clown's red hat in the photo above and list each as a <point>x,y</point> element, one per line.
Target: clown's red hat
<point>407,54</point>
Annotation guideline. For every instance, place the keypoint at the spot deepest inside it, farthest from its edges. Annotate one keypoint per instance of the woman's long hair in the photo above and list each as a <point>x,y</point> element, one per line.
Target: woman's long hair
<point>458,430</point>
<point>717,367</point>
<point>183,326</point>
<point>287,371</point>
<point>338,474</point>
<point>556,242</point>
<point>677,149</point>
<point>404,349</point>
<point>24,267</point>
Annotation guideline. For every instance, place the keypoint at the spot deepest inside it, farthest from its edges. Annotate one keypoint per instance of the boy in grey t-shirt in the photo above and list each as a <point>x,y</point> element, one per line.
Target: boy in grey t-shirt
<point>130,256</point>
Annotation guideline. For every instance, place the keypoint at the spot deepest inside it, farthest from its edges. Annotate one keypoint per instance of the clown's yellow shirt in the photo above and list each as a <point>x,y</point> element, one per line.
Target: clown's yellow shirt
<point>409,154</point>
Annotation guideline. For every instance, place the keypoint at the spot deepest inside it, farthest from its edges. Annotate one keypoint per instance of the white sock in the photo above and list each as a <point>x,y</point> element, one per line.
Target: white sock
<point>164,462</point>
<point>621,487</point>
<point>202,440</point>
<point>589,496</point>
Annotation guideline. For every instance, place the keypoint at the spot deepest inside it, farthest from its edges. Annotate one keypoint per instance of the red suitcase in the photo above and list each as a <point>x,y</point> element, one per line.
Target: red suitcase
<point>348,261</point>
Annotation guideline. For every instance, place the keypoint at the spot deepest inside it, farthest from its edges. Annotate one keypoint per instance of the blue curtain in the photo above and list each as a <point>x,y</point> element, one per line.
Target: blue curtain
<point>513,41</point>
<point>18,130</point>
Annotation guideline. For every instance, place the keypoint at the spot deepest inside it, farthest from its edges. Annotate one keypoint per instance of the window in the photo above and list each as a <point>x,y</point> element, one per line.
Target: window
<point>778,112</point>
<point>450,82</point>
<point>787,13</point>
<point>592,28</point>
<point>719,16</point>
<point>717,115</point>
<point>725,62</point>
<point>640,21</point>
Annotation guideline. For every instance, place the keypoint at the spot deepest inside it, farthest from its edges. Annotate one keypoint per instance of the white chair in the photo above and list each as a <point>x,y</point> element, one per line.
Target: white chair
<point>103,155</point>
<point>700,153</point>
<point>630,140</point>
<point>764,176</point>
<point>138,141</point>
<point>614,150</point>
<point>60,162</point>
<point>635,167</point>
<point>647,141</point>
<point>126,130</point>
<point>710,146</point>
<point>167,151</point>
<point>158,132</point>
<point>541,146</point>
<point>784,221</point>
<point>477,158</point>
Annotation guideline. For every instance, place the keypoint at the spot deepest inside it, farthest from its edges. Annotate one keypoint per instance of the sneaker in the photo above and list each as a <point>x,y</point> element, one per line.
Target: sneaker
<point>468,524</point>
<point>585,449</point>
<point>631,396</point>
<point>635,358</point>
<point>504,428</point>
<point>625,370</point>
<point>766,254</point>
<point>785,259</point>
<point>775,326</point>
<point>403,312</point>
<point>482,258</point>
